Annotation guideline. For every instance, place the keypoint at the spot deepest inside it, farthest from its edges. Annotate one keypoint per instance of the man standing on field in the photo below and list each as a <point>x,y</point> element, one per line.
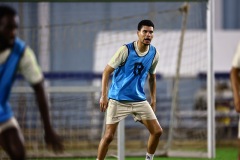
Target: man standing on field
<point>132,64</point>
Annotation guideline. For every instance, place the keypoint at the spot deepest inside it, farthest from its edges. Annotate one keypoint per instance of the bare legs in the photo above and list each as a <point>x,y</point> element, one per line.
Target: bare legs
<point>155,131</point>
<point>153,126</point>
<point>106,140</point>
<point>12,142</point>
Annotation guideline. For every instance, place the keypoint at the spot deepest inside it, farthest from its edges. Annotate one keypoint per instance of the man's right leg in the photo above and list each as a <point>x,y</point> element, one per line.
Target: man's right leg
<point>106,140</point>
<point>12,142</point>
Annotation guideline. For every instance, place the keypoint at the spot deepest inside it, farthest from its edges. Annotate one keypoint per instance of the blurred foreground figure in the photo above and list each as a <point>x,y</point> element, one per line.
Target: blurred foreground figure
<point>16,56</point>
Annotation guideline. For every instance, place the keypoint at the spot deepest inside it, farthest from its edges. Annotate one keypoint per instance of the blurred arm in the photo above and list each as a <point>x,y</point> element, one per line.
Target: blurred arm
<point>234,76</point>
<point>52,139</point>
<point>42,104</point>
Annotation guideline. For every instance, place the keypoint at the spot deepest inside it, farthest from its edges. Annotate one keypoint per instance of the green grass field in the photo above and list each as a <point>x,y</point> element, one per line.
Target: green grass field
<point>221,154</point>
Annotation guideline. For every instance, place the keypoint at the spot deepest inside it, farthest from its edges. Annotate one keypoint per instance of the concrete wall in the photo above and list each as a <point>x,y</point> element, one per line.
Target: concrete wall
<point>225,44</point>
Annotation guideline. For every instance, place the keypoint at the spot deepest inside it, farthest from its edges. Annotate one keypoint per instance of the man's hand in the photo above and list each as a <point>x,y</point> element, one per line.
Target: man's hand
<point>103,103</point>
<point>53,141</point>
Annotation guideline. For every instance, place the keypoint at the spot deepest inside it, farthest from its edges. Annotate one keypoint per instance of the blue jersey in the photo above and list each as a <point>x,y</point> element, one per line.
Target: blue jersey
<point>129,79</point>
<point>7,77</point>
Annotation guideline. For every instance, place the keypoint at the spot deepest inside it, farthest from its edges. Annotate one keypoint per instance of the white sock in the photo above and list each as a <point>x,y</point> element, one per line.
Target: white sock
<point>149,156</point>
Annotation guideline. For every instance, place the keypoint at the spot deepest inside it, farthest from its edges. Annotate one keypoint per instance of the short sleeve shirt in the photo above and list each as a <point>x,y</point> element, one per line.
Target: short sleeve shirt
<point>236,58</point>
<point>121,55</point>
<point>28,65</point>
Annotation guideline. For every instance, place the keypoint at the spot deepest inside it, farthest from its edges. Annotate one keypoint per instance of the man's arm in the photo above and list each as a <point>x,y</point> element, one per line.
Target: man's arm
<point>234,76</point>
<point>152,88</point>
<point>51,138</point>
<point>105,79</point>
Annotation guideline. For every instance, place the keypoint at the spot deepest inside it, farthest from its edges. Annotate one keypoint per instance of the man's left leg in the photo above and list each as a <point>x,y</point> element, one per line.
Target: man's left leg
<point>155,131</point>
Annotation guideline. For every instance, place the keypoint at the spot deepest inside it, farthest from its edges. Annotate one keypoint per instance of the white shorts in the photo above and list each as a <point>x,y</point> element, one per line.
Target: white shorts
<point>117,111</point>
<point>11,123</point>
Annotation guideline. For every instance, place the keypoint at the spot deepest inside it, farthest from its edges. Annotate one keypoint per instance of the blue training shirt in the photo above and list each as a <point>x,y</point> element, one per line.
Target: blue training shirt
<point>129,79</point>
<point>7,77</point>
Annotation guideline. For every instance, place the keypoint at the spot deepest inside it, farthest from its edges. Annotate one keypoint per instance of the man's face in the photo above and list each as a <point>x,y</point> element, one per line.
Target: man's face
<point>145,35</point>
<point>8,30</point>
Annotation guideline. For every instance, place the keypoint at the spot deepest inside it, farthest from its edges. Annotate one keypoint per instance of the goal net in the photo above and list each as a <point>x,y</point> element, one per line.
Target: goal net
<point>73,47</point>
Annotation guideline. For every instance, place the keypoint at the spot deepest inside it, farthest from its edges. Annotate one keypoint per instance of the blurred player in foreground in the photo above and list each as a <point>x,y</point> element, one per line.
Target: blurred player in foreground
<point>16,56</point>
<point>235,82</point>
<point>132,64</point>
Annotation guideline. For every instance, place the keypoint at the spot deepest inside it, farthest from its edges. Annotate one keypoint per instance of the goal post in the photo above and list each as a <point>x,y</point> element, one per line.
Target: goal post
<point>210,82</point>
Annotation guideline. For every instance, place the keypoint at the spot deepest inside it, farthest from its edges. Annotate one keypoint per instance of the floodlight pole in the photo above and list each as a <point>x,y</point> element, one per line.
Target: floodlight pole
<point>210,82</point>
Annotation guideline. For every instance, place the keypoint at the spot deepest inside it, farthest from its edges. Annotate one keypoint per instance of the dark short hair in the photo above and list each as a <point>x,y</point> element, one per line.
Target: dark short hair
<point>145,22</point>
<point>7,10</point>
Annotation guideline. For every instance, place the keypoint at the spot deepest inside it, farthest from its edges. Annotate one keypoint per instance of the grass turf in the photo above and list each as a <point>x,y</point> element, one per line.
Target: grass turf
<point>221,154</point>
